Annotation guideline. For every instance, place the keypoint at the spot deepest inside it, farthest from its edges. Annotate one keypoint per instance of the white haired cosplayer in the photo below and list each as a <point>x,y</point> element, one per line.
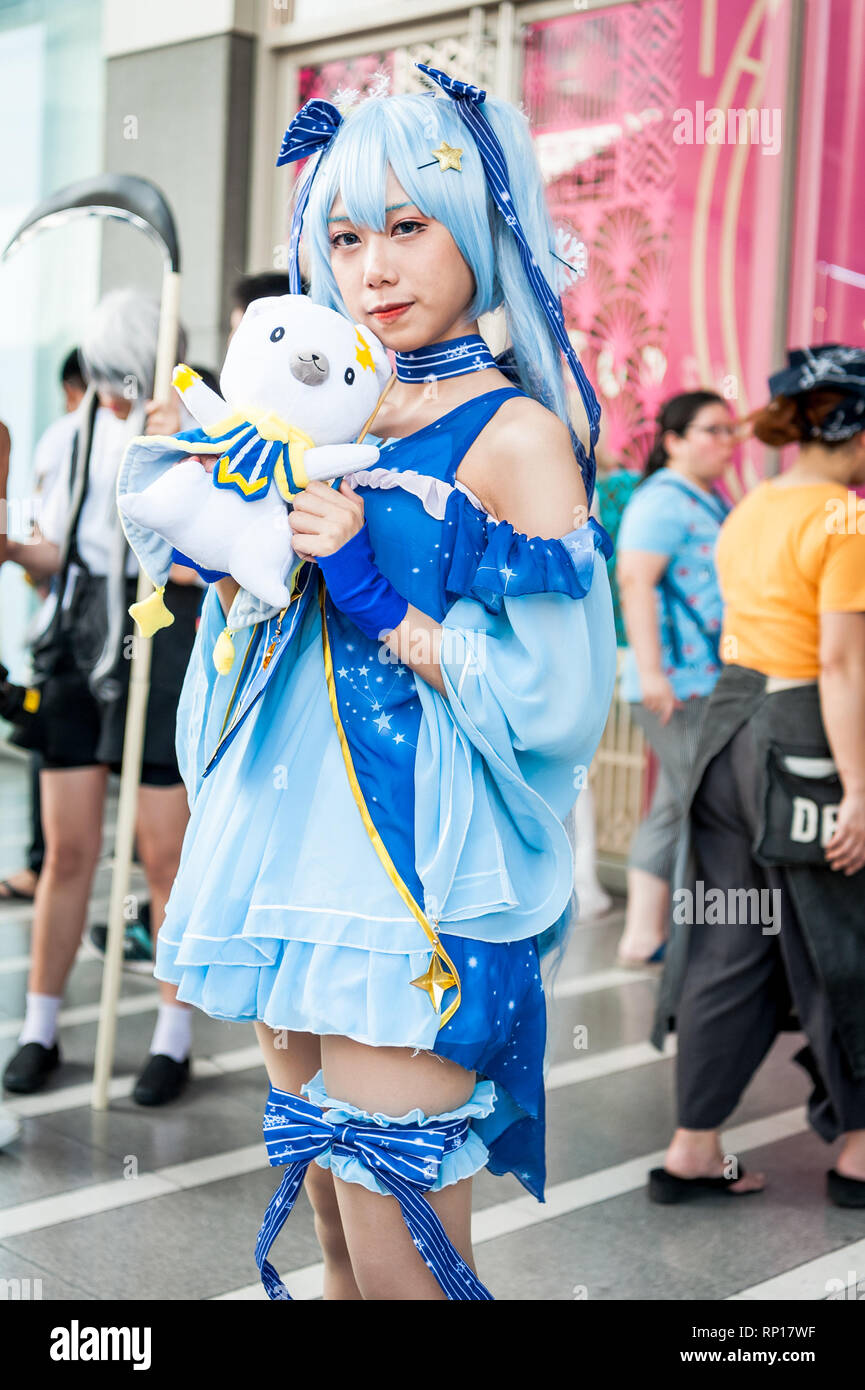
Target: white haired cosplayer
<point>119,344</point>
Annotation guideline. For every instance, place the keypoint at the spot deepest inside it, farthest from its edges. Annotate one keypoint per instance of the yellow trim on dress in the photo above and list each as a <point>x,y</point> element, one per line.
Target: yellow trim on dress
<point>377,842</point>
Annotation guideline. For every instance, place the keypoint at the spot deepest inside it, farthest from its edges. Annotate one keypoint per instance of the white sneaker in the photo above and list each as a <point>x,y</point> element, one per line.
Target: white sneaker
<point>593,902</point>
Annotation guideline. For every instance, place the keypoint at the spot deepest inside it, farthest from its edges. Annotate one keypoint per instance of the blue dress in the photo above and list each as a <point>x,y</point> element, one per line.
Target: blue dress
<point>338,803</point>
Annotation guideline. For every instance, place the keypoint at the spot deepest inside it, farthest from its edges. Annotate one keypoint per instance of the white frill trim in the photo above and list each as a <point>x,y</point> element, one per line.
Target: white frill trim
<point>433,493</point>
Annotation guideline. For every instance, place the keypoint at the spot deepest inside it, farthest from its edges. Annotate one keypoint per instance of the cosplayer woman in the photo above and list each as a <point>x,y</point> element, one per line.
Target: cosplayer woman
<point>777,813</point>
<point>377,790</point>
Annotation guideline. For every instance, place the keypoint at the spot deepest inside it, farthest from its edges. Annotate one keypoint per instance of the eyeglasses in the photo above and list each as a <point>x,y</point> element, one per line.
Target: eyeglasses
<point>730,430</point>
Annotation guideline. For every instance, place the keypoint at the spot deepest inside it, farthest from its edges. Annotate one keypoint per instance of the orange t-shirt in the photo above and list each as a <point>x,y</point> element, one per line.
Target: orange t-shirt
<point>785,555</point>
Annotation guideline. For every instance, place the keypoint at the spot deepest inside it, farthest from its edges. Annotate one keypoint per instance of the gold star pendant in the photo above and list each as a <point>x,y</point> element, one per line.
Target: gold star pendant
<point>435,981</point>
<point>448,157</point>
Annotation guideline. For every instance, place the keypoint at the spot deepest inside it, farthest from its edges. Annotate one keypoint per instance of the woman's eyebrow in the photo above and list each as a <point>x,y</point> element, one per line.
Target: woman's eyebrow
<point>391,207</point>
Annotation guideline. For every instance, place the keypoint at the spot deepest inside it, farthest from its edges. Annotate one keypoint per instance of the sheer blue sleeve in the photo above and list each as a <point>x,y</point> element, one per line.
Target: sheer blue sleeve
<point>204,698</point>
<point>529,677</point>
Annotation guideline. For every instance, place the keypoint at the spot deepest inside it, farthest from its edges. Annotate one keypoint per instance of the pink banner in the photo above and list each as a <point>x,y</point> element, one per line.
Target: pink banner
<point>660,128</point>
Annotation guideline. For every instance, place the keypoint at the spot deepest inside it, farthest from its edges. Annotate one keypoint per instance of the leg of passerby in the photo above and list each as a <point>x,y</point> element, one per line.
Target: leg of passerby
<point>650,865</point>
<point>593,900</point>
<point>163,813</point>
<point>72,806</point>
<point>837,1104</point>
<point>21,885</point>
<point>735,995</point>
<point>653,849</point>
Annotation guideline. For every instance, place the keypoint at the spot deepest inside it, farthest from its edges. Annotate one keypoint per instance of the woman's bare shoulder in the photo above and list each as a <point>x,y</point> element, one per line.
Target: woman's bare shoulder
<point>524,455</point>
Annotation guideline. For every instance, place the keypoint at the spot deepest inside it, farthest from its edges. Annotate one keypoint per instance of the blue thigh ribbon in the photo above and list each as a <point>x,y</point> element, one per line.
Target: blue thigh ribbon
<point>405,1159</point>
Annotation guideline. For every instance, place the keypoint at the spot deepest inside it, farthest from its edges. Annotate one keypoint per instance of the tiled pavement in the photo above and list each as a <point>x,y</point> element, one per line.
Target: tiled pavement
<point>135,1204</point>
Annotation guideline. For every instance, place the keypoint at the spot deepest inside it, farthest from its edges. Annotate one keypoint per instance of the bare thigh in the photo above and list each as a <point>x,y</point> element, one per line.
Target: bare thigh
<point>290,1058</point>
<point>72,804</point>
<point>392,1079</point>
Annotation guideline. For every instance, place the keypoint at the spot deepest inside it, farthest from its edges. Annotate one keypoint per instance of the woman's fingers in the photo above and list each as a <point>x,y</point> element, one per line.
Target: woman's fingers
<point>308,522</point>
<point>321,500</point>
<point>307,547</point>
<point>348,492</point>
<point>846,852</point>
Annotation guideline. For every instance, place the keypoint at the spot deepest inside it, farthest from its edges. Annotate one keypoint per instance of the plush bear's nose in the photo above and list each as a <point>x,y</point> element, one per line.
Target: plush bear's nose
<point>312,368</point>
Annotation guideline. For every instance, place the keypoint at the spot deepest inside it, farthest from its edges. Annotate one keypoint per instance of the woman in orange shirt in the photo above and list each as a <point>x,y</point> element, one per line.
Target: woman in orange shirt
<point>771,919</point>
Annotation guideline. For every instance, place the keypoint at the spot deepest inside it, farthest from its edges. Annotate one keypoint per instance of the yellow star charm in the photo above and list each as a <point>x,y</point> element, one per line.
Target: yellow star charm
<point>364,354</point>
<point>448,157</point>
<point>435,981</point>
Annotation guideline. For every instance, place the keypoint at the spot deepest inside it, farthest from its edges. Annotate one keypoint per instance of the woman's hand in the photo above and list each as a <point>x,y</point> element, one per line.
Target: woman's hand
<point>183,574</point>
<point>846,849</point>
<point>163,417</point>
<point>207,461</point>
<point>322,519</point>
<point>658,695</point>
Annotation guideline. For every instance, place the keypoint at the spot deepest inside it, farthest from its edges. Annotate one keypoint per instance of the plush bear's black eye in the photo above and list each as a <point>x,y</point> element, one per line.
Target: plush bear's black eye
<point>349,375</point>
<point>277,334</point>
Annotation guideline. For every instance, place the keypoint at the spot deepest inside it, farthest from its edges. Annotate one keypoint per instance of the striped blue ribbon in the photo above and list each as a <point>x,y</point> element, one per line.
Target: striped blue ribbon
<point>405,1158</point>
<point>311,130</point>
<point>456,357</point>
<point>468,100</point>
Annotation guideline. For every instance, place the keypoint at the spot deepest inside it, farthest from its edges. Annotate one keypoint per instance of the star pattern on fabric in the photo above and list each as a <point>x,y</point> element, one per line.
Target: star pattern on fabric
<point>365,693</point>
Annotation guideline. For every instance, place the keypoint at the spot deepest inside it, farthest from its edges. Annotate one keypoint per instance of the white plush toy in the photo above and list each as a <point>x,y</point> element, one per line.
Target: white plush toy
<point>298,382</point>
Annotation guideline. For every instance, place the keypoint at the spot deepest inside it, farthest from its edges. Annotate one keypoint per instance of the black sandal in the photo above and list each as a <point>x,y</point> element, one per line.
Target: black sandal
<point>844,1191</point>
<point>13,894</point>
<point>668,1188</point>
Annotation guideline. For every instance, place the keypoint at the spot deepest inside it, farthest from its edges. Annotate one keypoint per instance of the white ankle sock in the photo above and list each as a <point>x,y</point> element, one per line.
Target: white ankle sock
<point>40,1019</point>
<point>173,1033</point>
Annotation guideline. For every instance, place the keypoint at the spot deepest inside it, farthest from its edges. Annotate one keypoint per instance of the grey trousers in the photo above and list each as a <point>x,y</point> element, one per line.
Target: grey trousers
<point>675,744</point>
<point>741,983</point>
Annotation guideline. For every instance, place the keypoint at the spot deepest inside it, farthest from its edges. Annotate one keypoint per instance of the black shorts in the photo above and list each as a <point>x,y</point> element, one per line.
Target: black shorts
<point>74,728</point>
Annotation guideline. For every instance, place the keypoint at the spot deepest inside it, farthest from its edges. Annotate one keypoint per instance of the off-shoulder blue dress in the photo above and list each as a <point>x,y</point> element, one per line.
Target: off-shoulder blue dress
<point>336,800</point>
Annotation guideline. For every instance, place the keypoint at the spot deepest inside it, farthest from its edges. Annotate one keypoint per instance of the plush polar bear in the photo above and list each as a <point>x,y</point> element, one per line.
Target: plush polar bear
<point>298,382</point>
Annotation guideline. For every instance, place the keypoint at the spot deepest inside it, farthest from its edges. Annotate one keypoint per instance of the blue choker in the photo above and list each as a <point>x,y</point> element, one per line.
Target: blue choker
<point>456,357</point>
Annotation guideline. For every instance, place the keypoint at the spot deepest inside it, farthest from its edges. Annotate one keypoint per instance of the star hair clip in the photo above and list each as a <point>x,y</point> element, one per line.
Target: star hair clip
<point>446,156</point>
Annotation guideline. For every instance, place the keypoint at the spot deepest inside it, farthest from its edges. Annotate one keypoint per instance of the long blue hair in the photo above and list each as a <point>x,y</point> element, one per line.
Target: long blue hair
<point>402,132</point>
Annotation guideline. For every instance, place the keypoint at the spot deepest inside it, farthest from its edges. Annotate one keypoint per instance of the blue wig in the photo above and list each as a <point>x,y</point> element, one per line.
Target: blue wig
<point>401,132</point>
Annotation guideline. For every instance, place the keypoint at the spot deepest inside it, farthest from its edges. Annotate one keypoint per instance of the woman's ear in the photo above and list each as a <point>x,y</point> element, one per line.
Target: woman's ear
<point>383,370</point>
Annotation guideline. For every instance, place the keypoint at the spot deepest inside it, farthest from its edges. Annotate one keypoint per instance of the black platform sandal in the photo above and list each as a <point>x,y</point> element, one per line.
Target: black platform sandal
<point>666,1188</point>
<point>844,1191</point>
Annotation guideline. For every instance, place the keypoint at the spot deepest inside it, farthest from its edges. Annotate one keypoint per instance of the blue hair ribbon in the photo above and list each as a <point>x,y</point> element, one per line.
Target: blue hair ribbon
<point>405,1158</point>
<point>468,100</point>
<point>311,130</point>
